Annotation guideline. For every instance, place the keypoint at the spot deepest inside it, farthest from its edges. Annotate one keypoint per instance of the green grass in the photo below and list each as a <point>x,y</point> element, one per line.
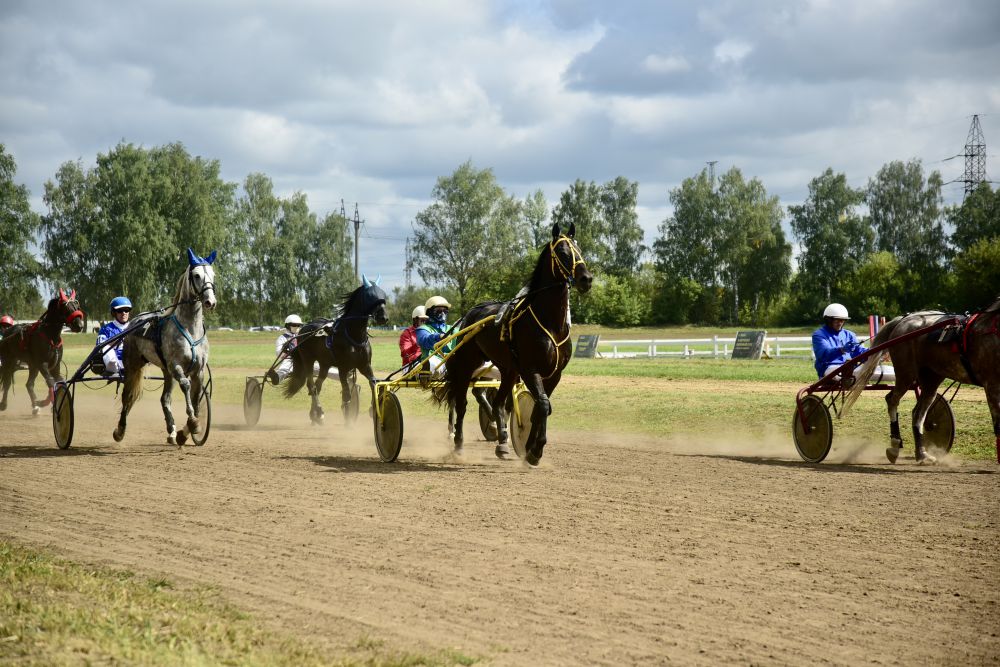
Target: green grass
<point>55,612</point>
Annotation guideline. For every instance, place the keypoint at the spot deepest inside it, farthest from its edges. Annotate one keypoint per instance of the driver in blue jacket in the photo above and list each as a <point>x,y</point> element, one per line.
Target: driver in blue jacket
<point>832,343</point>
<point>120,308</point>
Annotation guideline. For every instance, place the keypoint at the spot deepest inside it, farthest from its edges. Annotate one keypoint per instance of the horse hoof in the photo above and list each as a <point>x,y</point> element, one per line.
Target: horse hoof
<point>927,460</point>
<point>181,438</point>
<point>531,460</point>
<point>35,410</point>
<point>503,452</point>
<point>193,426</point>
<point>892,453</point>
<point>118,435</point>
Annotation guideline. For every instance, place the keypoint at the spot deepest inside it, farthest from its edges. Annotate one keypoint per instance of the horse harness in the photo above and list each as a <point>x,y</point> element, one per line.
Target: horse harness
<point>957,335</point>
<point>35,328</point>
<point>522,304</point>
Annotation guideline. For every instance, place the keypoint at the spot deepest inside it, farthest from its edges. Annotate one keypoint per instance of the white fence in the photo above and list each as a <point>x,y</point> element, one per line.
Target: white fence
<point>787,347</point>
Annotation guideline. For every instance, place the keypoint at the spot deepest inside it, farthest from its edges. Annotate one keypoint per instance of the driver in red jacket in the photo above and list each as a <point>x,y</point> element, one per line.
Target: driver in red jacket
<point>409,348</point>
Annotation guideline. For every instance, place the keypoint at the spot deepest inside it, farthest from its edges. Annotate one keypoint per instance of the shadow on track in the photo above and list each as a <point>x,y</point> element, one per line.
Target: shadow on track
<point>856,468</point>
<point>346,464</point>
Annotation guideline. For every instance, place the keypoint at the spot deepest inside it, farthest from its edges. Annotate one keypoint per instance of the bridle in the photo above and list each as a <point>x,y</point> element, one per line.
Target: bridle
<point>69,302</point>
<point>198,294</point>
<point>568,274</point>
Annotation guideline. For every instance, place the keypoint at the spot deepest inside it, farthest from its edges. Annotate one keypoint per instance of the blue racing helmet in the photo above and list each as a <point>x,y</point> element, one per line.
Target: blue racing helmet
<point>120,302</point>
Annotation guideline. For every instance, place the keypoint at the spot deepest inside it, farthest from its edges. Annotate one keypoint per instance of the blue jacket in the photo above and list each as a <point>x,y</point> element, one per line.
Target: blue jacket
<point>110,329</point>
<point>831,347</point>
<point>429,333</point>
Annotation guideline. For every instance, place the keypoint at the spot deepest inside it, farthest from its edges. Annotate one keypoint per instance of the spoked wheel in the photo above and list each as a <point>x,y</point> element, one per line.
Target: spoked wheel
<point>486,423</point>
<point>939,425</point>
<point>812,429</point>
<point>208,381</point>
<point>204,415</point>
<point>252,399</point>
<point>520,422</point>
<point>62,416</point>
<point>389,427</point>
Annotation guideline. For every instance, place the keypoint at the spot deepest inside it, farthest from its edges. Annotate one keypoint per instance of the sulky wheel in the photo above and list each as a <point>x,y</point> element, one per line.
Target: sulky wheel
<point>520,421</point>
<point>389,428</point>
<point>812,429</point>
<point>939,425</point>
<point>486,424</point>
<point>62,416</point>
<point>204,416</point>
<point>252,399</point>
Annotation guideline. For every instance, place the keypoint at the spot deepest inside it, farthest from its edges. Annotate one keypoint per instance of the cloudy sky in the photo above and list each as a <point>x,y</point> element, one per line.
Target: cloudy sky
<point>371,102</point>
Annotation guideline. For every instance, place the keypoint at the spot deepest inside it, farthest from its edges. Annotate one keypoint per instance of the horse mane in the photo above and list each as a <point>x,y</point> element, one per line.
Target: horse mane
<point>349,299</point>
<point>541,271</point>
<point>179,294</point>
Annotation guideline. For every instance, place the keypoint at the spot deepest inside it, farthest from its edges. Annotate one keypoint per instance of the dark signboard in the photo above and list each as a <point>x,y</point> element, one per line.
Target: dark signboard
<point>586,346</point>
<point>749,344</point>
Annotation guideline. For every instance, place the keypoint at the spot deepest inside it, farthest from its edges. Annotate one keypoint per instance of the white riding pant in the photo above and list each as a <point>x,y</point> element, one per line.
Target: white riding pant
<point>884,373</point>
<point>285,368</point>
<point>485,372</point>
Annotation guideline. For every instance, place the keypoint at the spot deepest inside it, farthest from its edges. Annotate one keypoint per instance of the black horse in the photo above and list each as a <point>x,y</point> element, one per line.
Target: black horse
<point>39,345</point>
<point>345,346</point>
<point>531,341</point>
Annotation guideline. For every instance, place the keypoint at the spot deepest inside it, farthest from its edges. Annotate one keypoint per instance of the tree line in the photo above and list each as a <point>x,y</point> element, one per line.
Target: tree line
<point>721,257</point>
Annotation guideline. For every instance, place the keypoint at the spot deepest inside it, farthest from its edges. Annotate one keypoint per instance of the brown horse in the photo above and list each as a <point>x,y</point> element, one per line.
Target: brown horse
<point>40,346</point>
<point>531,342</point>
<point>972,357</point>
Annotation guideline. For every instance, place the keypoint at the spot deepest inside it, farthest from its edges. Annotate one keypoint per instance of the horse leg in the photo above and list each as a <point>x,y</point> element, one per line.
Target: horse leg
<point>993,398</point>
<point>317,414</point>
<point>168,413</point>
<point>895,438</point>
<point>502,449</point>
<point>197,384</point>
<point>185,384</point>
<point>928,393</point>
<point>539,417</point>
<point>461,403</point>
<point>132,387</point>
<point>30,386</point>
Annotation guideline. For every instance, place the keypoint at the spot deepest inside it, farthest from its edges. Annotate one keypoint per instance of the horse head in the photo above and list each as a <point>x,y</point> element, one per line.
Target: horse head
<point>201,278</point>
<point>567,260</point>
<point>373,300</point>
<point>68,310</point>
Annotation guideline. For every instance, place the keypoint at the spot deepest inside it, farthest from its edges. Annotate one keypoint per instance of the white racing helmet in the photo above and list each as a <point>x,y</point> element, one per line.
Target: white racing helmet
<point>293,319</point>
<point>419,311</point>
<point>836,311</point>
<point>436,301</point>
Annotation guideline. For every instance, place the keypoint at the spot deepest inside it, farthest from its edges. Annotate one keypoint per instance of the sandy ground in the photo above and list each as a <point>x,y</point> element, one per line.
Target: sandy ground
<point>616,550</point>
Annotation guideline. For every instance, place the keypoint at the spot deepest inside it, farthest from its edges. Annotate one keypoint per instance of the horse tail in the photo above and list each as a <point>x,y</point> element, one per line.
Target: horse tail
<point>300,372</point>
<point>132,388</point>
<point>869,366</point>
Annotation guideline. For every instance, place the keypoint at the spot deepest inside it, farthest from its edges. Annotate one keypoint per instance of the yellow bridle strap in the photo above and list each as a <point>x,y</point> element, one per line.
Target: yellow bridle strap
<point>557,263</point>
<point>552,338</point>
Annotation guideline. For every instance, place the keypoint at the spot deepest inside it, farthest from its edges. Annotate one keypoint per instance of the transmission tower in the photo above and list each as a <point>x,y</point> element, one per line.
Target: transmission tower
<point>975,157</point>
<point>711,173</point>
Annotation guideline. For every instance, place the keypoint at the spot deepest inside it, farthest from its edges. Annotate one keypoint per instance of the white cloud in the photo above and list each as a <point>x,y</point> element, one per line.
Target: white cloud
<point>666,64</point>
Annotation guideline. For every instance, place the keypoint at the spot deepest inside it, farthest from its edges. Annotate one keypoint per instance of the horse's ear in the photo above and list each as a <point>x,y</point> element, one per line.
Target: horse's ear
<point>211,257</point>
<point>364,281</point>
<point>62,296</point>
<point>377,280</point>
<point>555,231</point>
<point>192,258</point>
<point>72,295</point>
<point>572,230</point>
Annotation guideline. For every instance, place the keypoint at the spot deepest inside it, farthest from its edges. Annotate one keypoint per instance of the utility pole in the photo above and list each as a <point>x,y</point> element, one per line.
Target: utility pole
<point>975,157</point>
<point>409,264</point>
<point>711,173</point>
<point>357,232</point>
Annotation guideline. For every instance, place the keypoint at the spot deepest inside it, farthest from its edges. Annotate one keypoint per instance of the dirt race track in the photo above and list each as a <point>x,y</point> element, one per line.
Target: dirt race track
<point>617,550</point>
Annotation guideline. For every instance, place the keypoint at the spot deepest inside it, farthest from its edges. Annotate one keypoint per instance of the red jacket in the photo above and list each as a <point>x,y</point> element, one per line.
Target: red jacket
<point>409,350</point>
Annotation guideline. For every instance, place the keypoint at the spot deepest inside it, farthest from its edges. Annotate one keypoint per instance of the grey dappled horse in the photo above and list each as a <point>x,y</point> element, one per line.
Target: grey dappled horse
<point>924,364</point>
<point>177,344</point>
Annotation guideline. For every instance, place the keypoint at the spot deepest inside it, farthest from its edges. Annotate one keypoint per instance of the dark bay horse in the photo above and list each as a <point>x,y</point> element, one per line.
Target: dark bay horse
<point>973,357</point>
<point>342,343</point>
<point>531,342</point>
<point>176,342</point>
<point>40,346</point>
